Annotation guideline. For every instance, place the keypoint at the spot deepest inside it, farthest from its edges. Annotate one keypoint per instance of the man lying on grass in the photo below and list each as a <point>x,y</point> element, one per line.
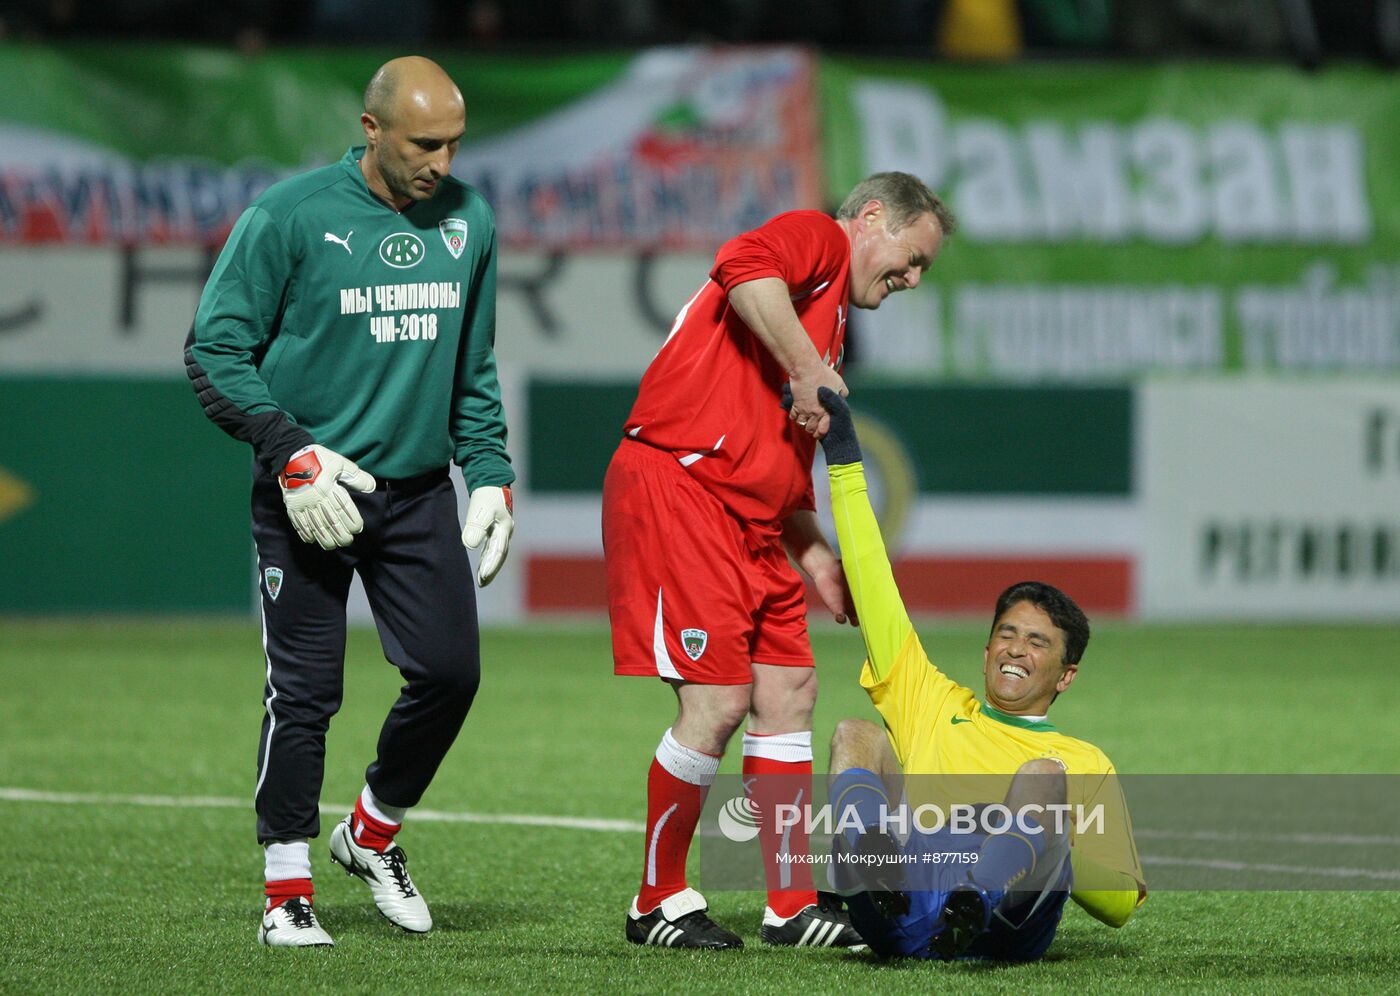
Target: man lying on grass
<point>1004,804</point>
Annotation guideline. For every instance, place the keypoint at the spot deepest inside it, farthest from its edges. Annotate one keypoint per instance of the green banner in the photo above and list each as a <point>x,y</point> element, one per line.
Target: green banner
<point>119,496</point>
<point>285,108</point>
<point>1116,221</point>
<point>158,144</point>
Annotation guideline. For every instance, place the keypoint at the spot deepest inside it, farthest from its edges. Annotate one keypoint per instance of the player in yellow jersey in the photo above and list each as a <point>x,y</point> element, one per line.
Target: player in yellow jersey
<point>973,893</point>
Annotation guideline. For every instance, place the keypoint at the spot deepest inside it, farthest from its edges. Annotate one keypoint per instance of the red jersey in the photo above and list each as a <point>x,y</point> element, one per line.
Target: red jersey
<point>711,395</point>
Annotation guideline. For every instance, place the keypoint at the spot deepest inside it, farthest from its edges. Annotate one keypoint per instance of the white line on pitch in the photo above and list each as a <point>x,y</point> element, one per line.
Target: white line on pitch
<point>523,820</point>
<point>1230,836</point>
<point>225,802</point>
<point>615,826</point>
<point>107,799</point>
<point>1218,864</point>
<point>632,826</point>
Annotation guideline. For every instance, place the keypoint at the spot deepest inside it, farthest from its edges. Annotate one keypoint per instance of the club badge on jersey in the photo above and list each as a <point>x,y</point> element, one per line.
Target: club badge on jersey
<point>454,235</point>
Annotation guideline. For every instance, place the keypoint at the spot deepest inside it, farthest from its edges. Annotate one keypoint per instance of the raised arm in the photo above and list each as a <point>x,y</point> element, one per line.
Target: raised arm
<point>884,622</point>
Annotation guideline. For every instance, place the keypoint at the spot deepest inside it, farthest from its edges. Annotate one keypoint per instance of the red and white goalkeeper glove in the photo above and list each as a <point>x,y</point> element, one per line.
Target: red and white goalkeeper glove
<point>320,509</point>
<point>489,515</point>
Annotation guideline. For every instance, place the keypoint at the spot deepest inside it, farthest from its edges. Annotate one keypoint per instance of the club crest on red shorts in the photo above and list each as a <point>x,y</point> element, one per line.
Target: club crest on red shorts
<point>694,641</point>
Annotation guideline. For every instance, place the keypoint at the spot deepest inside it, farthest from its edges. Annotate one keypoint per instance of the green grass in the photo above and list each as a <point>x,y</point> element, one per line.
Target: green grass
<point>121,898</point>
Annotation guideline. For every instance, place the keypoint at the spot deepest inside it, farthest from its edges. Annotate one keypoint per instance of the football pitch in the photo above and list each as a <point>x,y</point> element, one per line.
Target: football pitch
<point>127,763</point>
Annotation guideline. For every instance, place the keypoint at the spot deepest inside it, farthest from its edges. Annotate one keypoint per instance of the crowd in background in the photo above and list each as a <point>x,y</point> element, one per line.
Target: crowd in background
<point>1306,31</point>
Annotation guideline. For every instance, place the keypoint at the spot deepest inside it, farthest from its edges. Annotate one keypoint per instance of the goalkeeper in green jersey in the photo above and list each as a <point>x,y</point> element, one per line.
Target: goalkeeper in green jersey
<point>346,332</point>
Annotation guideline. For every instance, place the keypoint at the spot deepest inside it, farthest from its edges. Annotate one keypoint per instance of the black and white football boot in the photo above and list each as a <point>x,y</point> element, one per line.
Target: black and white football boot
<point>679,922</point>
<point>824,924</point>
<point>387,877</point>
<point>293,925</point>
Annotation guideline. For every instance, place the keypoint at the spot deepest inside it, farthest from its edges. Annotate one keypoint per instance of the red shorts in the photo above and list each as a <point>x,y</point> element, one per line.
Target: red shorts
<point>687,599</point>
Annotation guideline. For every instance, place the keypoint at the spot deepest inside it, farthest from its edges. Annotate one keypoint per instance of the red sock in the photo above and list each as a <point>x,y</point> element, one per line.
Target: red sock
<point>676,787</point>
<point>778,771</point>
<point>288,888</point>
<point>369,832</point>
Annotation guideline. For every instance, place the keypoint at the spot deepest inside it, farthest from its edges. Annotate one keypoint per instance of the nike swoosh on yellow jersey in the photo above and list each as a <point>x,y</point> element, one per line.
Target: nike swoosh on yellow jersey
<point>960,719</point>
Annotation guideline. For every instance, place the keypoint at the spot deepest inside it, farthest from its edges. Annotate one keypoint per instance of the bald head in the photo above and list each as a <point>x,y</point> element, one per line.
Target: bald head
<point>414,120</point>
<point>411,89</point>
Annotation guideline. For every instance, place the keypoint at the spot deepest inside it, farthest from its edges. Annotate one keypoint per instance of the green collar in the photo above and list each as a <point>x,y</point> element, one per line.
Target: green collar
<point>1010,720</point>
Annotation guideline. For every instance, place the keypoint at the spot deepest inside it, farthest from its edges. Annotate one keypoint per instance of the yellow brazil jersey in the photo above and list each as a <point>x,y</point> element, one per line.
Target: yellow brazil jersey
<point>940,732</point>
<point>937,726</point>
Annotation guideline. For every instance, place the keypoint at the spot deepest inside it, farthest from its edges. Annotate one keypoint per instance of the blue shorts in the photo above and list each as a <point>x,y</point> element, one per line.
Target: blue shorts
<point>1022,927</point>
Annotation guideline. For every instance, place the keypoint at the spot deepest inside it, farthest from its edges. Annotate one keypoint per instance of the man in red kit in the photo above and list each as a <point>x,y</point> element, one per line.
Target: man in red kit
<point>708,495</point>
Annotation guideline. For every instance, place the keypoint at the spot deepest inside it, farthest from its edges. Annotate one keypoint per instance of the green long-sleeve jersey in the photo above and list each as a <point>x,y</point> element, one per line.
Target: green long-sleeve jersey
<point>332,318</point>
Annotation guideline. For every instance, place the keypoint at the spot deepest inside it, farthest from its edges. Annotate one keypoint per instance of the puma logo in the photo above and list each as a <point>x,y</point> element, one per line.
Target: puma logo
<point>339,241</point>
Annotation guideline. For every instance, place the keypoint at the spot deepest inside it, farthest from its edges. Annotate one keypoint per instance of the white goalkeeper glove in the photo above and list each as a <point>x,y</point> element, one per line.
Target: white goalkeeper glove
<point>320,509</point>
<point>489,519</point>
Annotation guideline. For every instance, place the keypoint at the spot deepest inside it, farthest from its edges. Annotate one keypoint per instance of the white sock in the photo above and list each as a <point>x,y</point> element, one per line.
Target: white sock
<point>287,859</point>
<point>684,763</point>
<point>792,748</point>
<point>379,810</point>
